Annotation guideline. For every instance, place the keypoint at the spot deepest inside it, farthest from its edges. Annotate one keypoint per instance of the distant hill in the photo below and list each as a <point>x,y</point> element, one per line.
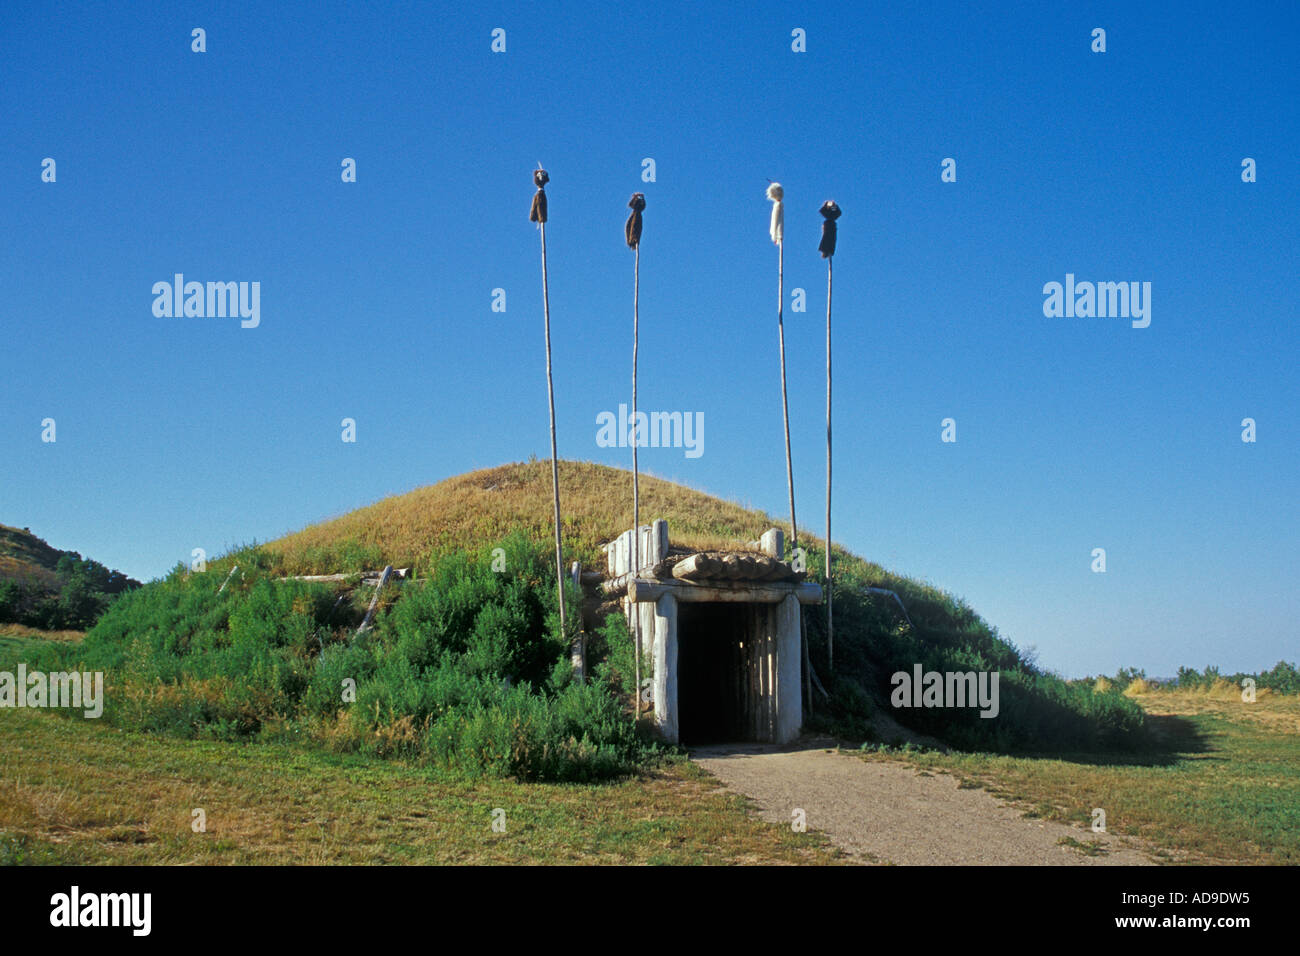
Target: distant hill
<point>43,587</point>
<point>25,557</point>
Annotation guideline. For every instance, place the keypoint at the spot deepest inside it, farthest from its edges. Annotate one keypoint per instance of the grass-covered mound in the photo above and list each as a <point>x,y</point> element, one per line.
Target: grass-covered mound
<point>479,508</point>
<point>873,637</point>
<point>463,671</point>
<point>464,668</point>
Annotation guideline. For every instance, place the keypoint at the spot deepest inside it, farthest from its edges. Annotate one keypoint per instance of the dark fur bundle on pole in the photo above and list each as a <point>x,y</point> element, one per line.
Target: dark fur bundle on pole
<point>538,215</point>
<point>831,212</point>
<point>632,230</point>
<point>632,233</point>
<point>538,212</point>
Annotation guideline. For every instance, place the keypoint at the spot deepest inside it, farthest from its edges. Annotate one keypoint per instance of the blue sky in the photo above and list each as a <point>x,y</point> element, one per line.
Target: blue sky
<point>1072,433</point>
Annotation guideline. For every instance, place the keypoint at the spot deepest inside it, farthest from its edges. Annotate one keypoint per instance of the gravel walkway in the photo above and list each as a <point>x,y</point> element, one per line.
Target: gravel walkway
<point>884,812</point>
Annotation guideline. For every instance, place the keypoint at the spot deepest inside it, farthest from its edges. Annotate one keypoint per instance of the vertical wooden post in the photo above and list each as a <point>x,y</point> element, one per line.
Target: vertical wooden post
<point>555,466</point>
<point>785,404</point>
<point>777,195</point>
<point>830,622</point>
<point>830,211</point>
<point>787,620</point>
<point>632,233</point>
<point>665,662</point>
<point>538,214</point>
<point>636,490</point>
<point>578,651</point>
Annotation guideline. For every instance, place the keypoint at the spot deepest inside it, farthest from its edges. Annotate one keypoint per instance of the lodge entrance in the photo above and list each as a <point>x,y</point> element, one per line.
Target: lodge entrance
<point>724,673</point>
<point>721,630</point>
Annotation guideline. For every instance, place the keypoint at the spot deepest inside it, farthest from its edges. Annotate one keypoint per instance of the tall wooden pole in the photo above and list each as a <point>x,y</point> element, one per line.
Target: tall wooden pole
<point>636,489</point>
<point>830,212</point>
<point>830,619</point>
<point>777,231</point>
<point>632,233</point>
<point>789,461</point>
<point>785,404</point>
<point>538,215</point>
<point>555,463</point>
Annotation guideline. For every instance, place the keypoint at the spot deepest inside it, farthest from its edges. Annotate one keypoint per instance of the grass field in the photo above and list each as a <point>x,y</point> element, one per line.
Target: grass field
<point>14,634</point>
<point>79,792</point>
<point>1224,788</point>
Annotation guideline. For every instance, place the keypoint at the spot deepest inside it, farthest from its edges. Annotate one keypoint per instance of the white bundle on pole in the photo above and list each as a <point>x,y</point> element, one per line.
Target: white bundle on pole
<point>777,231</point>
<point>777,228</point>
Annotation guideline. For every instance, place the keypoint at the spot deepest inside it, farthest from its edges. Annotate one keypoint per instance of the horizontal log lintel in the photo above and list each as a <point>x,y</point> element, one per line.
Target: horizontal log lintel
<point>642,589</point>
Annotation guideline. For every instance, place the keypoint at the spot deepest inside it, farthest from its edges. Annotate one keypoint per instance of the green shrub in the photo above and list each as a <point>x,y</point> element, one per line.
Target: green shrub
<point>85,589</point>
<point>464,671</point>
<point>1284,678</point>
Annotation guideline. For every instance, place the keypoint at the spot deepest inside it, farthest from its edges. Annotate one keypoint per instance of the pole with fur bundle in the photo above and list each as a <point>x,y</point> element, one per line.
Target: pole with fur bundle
<point>830,212</point>
<point>537,214</point>
<point>777,231</point>
<point>632,233</point>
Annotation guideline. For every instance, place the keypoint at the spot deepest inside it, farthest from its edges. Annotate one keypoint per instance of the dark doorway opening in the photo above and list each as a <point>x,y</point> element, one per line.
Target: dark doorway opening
<point>719,680</point>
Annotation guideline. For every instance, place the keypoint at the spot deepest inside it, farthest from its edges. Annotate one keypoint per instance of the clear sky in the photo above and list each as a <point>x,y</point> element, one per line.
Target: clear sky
<point>375,296</point>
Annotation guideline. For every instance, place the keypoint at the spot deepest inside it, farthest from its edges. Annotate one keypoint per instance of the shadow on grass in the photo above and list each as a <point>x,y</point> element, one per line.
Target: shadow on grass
<point>1168,739</point>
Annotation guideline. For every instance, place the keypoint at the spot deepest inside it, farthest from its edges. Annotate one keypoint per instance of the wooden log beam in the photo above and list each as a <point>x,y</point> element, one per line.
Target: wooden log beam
<point>618,583</point>
<point>696,566</point>
<point>642,589</point>
<point>374,602</point>
<point>368,577</point>
<point>731,566</point>
<point>228,577</point>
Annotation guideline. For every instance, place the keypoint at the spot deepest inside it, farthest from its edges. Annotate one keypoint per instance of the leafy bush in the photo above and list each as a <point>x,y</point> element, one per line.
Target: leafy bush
<point>465,671</point>
<point>84,591</point>
<point>1284,678</point>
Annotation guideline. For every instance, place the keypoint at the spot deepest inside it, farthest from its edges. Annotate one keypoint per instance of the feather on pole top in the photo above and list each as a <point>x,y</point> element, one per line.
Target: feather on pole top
<point>538,211</point>
<point>832,212</point>
<point>777,228</point>
<point>632,231</point>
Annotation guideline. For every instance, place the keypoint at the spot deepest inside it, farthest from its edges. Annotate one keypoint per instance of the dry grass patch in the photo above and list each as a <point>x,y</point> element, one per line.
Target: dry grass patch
<point>479,508</point>
<point>73,791</point>
<point>32,633</point>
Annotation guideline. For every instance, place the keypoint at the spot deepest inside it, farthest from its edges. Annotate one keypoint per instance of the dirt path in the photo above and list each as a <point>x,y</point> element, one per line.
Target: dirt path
<point>888,813</point>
